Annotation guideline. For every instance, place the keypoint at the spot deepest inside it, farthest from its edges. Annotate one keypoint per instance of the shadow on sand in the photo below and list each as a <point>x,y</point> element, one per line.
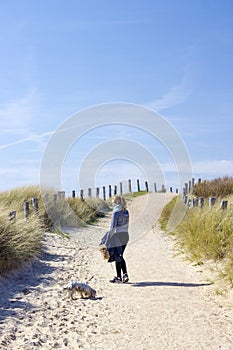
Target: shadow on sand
<point>17,285</point>
<point>168,284</point>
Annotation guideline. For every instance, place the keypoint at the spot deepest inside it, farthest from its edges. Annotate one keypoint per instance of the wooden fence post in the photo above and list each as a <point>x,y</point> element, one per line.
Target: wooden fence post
<point>89,192</point>
<point>46,197</point>
<point>223,204</point>
<point>35,204</point>
<point>171,189</point>
<point>138,185</point>
<point>163,189</point>
<point>155,187</point>
<point>104,193</point>
<point>12,215</point>
<point>115,190</point>
<point>55,198</point>
<point>212,201</point>
<point>61,195</point>
<point>73,194</point>
<point>186,199</point>
<point>193,182</point>
<point>81,195</point>
<point>97,192</point>
<point>147,187</point>
<point>130,187</point>
<point>121,188</point>
<point>26,210</point>
<point>177,191</point>
<point>186,188</point>
<point>110,191</point>
<point>201,202</point>
<point>190,186</point>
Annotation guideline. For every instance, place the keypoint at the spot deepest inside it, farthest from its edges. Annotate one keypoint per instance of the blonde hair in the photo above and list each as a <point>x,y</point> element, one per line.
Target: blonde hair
<point>120,200</point>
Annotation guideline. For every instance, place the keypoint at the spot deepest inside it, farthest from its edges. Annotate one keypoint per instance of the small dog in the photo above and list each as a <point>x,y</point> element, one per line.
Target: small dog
<point>84,290</point>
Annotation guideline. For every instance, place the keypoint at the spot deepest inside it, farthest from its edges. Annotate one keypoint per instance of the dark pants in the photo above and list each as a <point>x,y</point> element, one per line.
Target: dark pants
<point>120,264</point>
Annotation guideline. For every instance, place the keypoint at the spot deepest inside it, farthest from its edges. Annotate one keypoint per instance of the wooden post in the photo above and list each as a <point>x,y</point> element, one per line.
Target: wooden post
<point>191,203</point>
<point>171,189</point>
<point>115,190</point>
<point>138,184</point>
<point>26,210</point>
<point>193,182</point>
<point>97,192</point>
<point>55,198</point>
<point>35,205</point>
<point>163,189</point>
<point>186,188</point>
<point>201,202</point>
<point>199,181</point>
<point>195,202</point>
<point>104,193</point>
<point>177,191</point>
<point>155,187</point>
<point>110,191</point>
<point>121,188</point>
<point>130,187</point>
<point>223,204</point>
<point>81,195</point>
<point>12,215</point>
<point>212,201</point>
<point>147,187</point>
<point>61,195</point>
<point>46,197</point>
<point>190,186</point>
<point>89,192</point>
<point>73,194</point>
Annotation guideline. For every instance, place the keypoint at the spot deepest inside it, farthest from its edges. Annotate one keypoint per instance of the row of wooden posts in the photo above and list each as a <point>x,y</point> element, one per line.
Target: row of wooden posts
<point>114,191</point>
<point>188,186</point>
<point>61,195</point>
<point>26,209</point>
<point>187,190</point>
<point>194,202</point>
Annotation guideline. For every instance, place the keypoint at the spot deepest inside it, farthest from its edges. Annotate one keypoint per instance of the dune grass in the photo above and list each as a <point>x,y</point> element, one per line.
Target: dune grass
<point>206,234</point>
<point>21,240</point>
<point>166,213</point>
<point>220,187</point>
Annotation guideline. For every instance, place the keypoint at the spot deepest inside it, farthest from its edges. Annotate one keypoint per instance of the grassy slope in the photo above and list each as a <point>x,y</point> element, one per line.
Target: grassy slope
<point>21,240</point>
<point>207,234</point>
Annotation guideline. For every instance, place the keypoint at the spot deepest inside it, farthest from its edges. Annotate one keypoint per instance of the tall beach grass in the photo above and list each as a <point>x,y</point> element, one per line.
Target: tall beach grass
<point>207,234</point>
<point>21,240</point>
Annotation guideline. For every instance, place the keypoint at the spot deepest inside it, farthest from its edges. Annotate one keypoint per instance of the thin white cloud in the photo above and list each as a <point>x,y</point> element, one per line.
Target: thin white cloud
<point>175,96</point>
<point>37,138</point>
<point>17,115</point>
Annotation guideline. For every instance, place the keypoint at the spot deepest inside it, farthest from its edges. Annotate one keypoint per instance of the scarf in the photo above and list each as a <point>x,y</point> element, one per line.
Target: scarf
<point>117,208</point>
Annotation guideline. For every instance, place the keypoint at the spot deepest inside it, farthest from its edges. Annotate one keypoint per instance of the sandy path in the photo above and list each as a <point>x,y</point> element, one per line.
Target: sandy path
<point>168,303</point>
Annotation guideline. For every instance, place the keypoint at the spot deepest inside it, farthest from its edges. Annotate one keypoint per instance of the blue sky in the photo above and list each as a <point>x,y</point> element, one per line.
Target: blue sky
<point>57,58</point>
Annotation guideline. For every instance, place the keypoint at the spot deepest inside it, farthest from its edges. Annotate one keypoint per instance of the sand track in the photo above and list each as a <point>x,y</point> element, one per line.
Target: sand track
<point>168,304</point>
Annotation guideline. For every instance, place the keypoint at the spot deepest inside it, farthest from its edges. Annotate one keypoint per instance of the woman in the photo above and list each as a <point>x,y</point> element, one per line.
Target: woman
<point>118,238</point>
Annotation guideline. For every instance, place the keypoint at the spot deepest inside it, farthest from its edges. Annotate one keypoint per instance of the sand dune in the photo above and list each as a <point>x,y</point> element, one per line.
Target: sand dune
<point>168,303</point>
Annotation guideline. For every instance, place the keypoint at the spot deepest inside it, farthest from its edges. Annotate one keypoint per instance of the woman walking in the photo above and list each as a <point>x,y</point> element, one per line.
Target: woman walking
<point>117,238</point>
